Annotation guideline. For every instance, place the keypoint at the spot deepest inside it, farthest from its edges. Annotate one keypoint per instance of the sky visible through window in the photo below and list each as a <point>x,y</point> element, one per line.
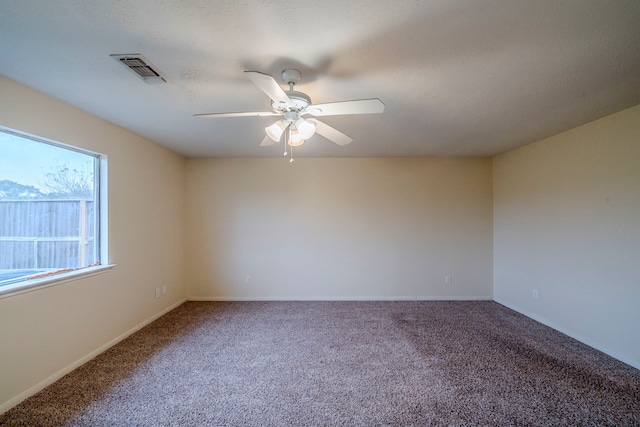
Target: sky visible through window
<point>28,162</point>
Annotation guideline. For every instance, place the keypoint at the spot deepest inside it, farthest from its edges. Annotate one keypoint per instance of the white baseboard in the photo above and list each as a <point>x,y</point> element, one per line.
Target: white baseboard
<point>55,377</point>
<point>372,298</point>
<point>634,363</point>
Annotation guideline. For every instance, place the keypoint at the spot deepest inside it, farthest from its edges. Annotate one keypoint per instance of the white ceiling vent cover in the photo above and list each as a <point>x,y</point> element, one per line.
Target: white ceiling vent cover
<point>142,67</point>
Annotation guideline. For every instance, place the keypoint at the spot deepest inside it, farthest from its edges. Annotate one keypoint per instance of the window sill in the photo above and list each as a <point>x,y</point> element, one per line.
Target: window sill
<point>17,288</point>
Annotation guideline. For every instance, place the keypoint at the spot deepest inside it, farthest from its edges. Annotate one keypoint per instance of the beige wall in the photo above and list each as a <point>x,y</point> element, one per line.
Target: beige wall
<point>339,228</point>
<point>567,223</point>
<point>45,332</point>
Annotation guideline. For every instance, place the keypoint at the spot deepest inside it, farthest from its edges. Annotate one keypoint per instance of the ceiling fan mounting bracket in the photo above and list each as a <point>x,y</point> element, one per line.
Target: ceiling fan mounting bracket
<point>291,76</point>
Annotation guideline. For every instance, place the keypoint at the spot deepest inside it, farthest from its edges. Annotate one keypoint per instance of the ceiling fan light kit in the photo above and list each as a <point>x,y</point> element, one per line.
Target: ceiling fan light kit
<point>292,105</point>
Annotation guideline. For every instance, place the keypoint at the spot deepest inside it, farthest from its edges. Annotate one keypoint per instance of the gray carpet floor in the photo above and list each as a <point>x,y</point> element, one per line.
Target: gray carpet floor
<point>430,363</point>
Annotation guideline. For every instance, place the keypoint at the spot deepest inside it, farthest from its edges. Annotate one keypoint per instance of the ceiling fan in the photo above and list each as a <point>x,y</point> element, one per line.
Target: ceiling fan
<point>293,105</point>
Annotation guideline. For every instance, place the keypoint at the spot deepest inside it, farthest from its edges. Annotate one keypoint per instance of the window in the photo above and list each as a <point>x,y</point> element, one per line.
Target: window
<point>50,211</point>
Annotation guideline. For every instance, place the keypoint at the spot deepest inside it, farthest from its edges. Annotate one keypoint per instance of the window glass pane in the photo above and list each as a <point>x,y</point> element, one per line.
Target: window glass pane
<point>48,208</point>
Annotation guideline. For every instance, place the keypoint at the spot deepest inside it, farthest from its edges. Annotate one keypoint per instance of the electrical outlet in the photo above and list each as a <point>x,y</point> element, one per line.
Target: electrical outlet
<point>534,294</point>
<point>248,280</point>
<point>157,292</point>
<point>164,290</point>
<point>447,279</point>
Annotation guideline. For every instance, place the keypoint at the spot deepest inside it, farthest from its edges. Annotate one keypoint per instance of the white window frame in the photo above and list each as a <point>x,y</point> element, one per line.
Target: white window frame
<point>100,171</point>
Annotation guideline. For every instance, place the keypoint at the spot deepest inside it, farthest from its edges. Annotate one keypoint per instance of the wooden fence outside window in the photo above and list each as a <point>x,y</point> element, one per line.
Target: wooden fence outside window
<point>47,234</point>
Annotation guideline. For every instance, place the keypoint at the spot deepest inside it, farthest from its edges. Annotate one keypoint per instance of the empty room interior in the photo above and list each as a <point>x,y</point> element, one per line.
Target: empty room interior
<point>431,175</point>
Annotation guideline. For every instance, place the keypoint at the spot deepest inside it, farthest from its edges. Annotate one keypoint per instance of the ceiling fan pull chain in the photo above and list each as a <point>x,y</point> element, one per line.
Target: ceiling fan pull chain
<point>291,159</point>
<point>286,137</point>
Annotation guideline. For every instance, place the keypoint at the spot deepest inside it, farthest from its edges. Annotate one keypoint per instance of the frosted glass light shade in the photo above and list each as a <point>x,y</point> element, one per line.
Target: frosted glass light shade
<point>295,139</point>
<point>275,130</point>
<point>306,128</point>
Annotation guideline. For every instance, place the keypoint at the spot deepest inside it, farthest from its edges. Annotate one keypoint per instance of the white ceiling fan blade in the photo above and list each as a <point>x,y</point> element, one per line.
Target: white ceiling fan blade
<point>246,114</point>
<point>267,142</point>
<point>330,133</point>
<point>270,87</point>
<point>360,106</point>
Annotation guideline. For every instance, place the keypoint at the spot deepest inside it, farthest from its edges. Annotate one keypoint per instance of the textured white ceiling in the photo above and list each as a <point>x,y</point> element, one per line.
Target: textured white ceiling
<point>458,78</point>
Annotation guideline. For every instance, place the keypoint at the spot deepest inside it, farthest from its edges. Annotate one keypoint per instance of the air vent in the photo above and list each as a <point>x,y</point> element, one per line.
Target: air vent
<point>142,67</point>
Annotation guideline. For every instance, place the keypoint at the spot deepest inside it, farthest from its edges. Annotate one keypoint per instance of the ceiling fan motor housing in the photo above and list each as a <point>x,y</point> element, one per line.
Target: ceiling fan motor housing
<point>300,101</point>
